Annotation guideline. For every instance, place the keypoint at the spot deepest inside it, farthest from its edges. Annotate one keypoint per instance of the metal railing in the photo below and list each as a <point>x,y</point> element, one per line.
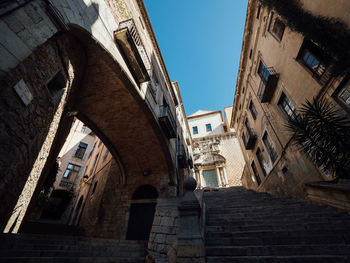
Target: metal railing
<point>164,112</point>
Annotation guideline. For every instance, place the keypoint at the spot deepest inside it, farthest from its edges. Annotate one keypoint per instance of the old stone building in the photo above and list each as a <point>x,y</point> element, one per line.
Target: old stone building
<point>100,62</point>
<point>218,160</point>
<point>280,69</point>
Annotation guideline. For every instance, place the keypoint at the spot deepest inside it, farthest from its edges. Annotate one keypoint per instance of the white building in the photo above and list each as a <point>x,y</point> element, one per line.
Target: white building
<point>218,159</point>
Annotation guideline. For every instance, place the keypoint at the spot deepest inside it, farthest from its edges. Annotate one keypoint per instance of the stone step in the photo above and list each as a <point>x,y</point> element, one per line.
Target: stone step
<point>280,250</point>
<point>73,253</point>
<point>72,260</point>
<point>277,226</point>
<point>286,240</point>
<point>280,259</point>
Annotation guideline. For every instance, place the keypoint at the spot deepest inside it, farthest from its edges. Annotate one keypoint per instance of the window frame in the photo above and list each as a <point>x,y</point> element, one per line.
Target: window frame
<point>81,145</point>
<point>253,110</point>
<point>256,173</point>
<point>270,147</point>
<point>317,53</point>
<point>71,171</point>
<point>283,97</point>
<point>339,89</point>
<point>260,159</point>
<point>208,127</point>
<point>275,18</point>
<point>195,129</point>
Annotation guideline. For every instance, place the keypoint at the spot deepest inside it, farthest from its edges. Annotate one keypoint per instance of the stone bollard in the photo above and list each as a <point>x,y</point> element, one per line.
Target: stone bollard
<point>190,245</point>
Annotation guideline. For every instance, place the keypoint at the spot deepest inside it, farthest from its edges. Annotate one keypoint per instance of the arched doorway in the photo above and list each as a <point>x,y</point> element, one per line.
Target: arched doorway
<point>142,211</point>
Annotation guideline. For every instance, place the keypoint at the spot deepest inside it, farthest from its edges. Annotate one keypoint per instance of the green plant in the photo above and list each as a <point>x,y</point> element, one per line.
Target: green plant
<point>323,133</point>
<point>331,34</point>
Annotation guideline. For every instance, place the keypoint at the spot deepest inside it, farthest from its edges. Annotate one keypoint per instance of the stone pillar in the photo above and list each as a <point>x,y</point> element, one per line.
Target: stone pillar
<point>225,175</point>
<point>201,178</point>
<point>190,244</point>
<point>218,175</point>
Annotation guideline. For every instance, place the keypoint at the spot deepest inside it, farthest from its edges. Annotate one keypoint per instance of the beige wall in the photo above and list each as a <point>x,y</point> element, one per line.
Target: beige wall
<point>288,173</point>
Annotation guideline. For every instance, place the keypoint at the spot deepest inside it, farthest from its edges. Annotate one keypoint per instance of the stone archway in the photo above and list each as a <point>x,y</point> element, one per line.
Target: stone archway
<point>103,96</point>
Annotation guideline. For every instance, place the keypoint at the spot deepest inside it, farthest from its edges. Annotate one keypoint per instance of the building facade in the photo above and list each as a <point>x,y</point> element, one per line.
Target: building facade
<point>280,69</point>
<point>218,160</point>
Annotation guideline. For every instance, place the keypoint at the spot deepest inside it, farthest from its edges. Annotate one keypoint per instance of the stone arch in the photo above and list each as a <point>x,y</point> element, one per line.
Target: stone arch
<point>104,97</point>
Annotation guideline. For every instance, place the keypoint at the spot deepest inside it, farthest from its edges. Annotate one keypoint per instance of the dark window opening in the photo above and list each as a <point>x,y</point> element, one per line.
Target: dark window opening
<point>258,12</point>
<point>56,85</point>
<point>253,110</point>
<point>94,188</point>
<point>250,53</point>
<point>195,130</point>
<point>263,72</point>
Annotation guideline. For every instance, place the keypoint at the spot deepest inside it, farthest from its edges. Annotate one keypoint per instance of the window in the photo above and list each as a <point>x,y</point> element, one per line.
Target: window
<point>253,110</point>
<point>81,150</point>
<point>285,104</point>
<point>276,27</point>
<point>250,54</point>
<point>94,188</point>
<point>195,130</point>
<point>105,155</point>
<point>313,58</point>
<point>255,171</point>
<point>95,161</point>
<point>56,86</point>
<point>269,148</point>
<point>263,72</point>
<point>208,127</point>
<point>260,158</point>
<point>72,170</point>
<point>344,94</point>
<point>93,148</point>
<point>258,12</point>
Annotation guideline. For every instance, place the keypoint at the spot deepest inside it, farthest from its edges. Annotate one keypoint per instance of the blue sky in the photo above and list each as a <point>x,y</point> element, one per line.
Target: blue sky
<point>201,43</point>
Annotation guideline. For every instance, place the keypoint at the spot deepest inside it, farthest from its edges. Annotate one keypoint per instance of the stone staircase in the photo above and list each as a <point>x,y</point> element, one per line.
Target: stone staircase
<point>245,226</point>
<point>67,249</point>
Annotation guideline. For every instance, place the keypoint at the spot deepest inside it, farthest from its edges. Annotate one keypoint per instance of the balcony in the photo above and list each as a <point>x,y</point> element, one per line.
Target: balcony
<point>133,51</point>
<point>167,121</point>
<point>268,84</point>
<point>249,139</point>
<point>66,184</point>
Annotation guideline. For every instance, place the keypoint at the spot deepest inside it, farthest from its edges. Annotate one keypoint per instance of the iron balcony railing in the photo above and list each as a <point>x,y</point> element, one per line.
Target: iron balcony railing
<point>268,84</point>
<point>133,50</point>
<point>167,121</point>
<point>249,139</point>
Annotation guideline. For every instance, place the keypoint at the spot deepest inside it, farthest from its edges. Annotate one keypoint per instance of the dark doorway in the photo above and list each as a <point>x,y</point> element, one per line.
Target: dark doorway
<point>77,210</point>
<point>142,213</point>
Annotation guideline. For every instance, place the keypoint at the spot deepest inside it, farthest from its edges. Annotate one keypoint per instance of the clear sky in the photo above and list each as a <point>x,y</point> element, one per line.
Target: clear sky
<point>201,44</point>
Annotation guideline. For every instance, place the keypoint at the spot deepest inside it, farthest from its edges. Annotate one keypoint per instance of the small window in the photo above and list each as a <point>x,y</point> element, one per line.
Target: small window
<point>285,104</point>
<point>269,147</point>
<point>56,86</point>
<point>79,153</point>
<point>313,58</point>
<point>277,27</point>
<point>195,130</point>
<point>86,129</point>
<point>250,54</point>
<point>208,127</point>
<point>72,170</point>
<point>260,158</point>
<point>256,174</point>
<point>258,12</point>
<point>253,110</point>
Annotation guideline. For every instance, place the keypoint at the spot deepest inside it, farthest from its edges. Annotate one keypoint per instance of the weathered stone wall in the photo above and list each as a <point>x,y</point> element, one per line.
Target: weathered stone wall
<point>163,237</point>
